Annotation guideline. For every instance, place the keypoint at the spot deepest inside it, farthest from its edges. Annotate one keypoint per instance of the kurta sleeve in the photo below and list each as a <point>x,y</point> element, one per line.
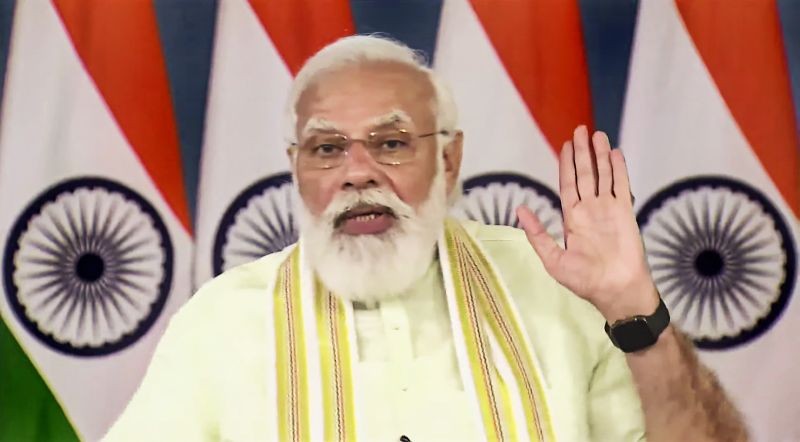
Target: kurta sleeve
<point>173,402</point>
<point>615,412</point>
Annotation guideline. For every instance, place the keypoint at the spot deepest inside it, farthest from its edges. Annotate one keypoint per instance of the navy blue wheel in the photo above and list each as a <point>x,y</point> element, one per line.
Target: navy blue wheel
<point>88,266</point>
<point>722,258</point>
<point>258,222</point>
<point>493,198</point>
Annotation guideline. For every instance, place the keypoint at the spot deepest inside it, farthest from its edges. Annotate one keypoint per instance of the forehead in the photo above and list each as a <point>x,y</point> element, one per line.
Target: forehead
<point>351,96</point>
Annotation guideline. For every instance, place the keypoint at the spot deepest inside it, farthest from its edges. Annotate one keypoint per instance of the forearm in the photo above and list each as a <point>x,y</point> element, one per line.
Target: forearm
<point>681,398</point>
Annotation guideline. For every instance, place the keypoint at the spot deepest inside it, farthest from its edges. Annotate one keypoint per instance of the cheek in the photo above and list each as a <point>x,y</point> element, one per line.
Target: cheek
<point>316,190</point>
<point>413,183</point>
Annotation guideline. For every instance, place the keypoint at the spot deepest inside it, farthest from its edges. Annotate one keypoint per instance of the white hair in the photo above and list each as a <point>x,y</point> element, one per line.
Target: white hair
<point>372,268</point>
<point>359,49</point>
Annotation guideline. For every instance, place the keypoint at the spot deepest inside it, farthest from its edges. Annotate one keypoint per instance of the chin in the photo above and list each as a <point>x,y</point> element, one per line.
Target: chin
<point>372,267</point>
<point>376,266</point>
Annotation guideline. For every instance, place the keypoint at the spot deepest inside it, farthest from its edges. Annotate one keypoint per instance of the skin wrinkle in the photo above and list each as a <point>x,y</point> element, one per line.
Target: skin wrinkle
<point>354,101</point>
<point>317,124</point>
<point>395,116</point>
<point>322,125</point>
<point>348,97</point>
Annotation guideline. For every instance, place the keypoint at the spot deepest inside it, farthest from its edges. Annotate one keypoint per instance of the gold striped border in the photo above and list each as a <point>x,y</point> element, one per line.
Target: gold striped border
<point>290,358</point>
<point>496,305</point>
<point>337,378</point>
<point>346,357</point>
<point>474,340</point>
<point>508,409</point>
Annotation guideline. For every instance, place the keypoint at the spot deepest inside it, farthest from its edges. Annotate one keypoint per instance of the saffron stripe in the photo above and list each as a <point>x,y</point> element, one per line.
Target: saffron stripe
<point>552,79</point>
<point>299,28</point>
<point>742,48</point>
<point>118,43</point>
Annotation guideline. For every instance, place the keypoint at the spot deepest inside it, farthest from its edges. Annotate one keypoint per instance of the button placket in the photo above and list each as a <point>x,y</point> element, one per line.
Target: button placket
<point>399,340</point>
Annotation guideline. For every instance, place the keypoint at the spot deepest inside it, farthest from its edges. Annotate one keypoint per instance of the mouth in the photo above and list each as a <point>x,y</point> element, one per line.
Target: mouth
<point>365,219</point>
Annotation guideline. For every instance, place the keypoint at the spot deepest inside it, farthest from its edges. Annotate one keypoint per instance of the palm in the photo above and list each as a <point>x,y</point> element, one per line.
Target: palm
<point>604,257</point>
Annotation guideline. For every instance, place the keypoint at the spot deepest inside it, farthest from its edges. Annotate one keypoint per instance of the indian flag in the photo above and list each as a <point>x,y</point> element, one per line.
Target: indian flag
<point>94,226</point>
<point>710,138</point>
<point>519,95</point>
<point>245,203</point>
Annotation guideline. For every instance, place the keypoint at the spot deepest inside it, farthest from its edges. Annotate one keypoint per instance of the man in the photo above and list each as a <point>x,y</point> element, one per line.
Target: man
<point>388,321</point>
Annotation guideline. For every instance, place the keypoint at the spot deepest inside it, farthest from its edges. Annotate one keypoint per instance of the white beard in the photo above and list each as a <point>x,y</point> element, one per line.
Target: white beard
<point>371,268</point>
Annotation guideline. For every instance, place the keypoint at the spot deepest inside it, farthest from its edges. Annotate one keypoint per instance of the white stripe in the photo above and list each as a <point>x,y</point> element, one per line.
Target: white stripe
<point>507,138</point>
<point>504,369</point>
<point>316,405</point>
<point>271,422</point>
<point>464,366</point>
<point>359,412</point>
<point>542,402</point>
<point>55,126</point>
<point>677,124</point>
<point>515,316</point>
<point>272,360</point>
<point>243,140</point>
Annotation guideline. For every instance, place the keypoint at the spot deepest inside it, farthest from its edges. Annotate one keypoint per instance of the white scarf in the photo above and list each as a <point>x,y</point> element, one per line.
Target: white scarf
<point>315,351</point>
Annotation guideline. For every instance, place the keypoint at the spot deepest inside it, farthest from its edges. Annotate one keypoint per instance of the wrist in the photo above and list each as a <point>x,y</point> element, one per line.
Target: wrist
<point>639,332</point>
<point>639,299</point>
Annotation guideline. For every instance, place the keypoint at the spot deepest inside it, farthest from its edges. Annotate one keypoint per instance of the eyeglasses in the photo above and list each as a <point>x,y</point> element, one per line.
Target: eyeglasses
<point>328,150</point>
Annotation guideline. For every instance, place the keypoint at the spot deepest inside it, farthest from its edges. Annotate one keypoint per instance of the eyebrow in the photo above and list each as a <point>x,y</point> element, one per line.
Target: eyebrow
<point>393,117</point>
<point>315,124</point>
<point>318,124</point>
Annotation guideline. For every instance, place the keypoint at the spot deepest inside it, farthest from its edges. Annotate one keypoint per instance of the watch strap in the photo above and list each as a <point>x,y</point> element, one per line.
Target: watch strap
<point>645,329</point>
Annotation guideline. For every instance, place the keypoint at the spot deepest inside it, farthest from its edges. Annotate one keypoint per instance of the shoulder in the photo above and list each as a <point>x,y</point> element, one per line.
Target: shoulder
<point>257,274</point>
<point>547,307</point>
<point>509,250</point>
<point>235,291</point>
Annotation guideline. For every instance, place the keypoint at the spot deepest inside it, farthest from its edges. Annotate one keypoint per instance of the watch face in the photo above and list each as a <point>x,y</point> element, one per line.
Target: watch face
<point>633,335</point>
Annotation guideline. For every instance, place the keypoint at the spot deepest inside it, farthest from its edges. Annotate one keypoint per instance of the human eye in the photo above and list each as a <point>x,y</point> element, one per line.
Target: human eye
<point>325,146</point>
<point>392,142</point>
<point>325,150</point>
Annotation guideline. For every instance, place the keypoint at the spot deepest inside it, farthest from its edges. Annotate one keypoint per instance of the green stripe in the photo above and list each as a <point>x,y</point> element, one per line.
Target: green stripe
<point>28,409</point>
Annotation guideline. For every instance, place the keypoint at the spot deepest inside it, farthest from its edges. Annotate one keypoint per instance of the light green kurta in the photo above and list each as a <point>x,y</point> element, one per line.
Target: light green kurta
<point>209,378</point>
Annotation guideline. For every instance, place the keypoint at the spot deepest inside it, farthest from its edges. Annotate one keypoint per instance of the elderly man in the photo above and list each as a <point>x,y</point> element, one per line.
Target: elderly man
<point>389,321</point>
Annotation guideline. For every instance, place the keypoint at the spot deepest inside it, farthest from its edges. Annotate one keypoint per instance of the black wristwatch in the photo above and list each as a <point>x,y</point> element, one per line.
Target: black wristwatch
<point>639,332</point>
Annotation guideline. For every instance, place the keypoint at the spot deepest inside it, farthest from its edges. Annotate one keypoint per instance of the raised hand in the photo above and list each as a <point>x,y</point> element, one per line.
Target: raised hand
<point>604,260</point>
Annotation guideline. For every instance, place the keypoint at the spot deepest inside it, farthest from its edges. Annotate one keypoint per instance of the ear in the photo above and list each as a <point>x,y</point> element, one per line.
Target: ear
<point>452,153</point>
<point>292,157</point>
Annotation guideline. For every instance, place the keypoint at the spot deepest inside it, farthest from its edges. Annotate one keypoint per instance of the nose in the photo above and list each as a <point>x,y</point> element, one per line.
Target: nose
<point>361,171</point>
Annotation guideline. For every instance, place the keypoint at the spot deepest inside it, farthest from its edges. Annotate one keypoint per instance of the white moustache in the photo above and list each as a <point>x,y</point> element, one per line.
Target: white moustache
<point>346,201</point>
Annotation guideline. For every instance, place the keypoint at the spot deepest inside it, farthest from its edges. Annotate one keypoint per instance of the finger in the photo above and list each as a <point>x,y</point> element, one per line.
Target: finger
<point>584,169</point>
<point>566,177</point>
<point>622,187</point>
<point>543,244</point>
<point>602,149</point>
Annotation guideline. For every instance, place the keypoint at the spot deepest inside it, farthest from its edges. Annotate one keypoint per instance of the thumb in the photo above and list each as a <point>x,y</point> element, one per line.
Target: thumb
<point>543,244</point>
